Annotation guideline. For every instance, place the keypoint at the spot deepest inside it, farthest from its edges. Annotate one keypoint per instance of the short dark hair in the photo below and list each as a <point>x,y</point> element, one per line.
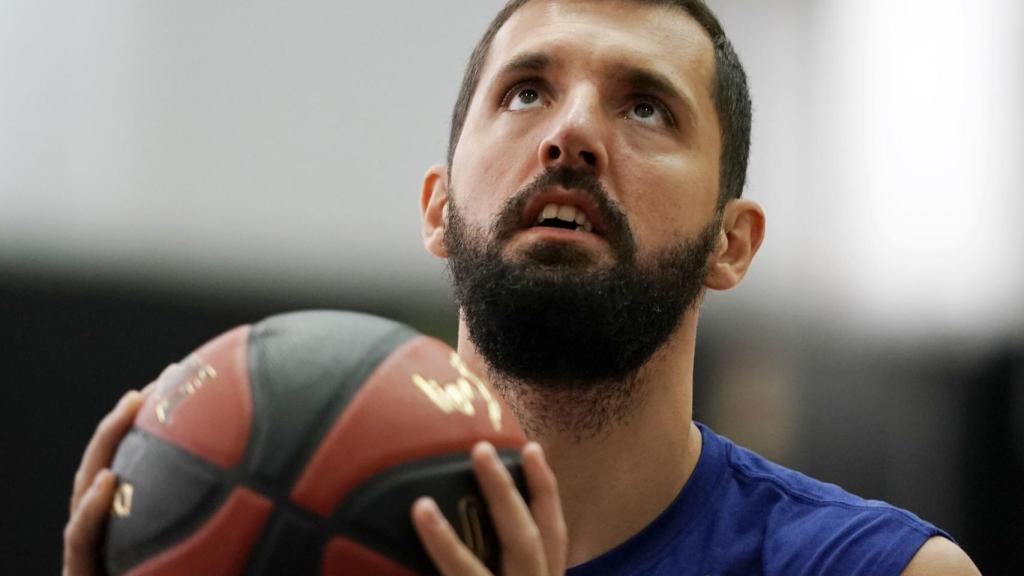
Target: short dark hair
<point>729,92</point>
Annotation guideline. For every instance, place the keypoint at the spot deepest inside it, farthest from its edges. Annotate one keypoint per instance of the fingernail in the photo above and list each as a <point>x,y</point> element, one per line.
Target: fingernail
<point>428,505</point>
<point>486,448</point>
<point>534,447</point>
<point>103,477</point>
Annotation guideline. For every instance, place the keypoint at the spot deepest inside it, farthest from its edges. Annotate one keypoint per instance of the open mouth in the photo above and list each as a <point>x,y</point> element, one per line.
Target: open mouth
<point>563,210</point>
<point>564,217</point>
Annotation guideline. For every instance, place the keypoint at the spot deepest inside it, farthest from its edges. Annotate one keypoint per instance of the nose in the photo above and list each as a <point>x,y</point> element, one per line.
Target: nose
<point>576,135</point>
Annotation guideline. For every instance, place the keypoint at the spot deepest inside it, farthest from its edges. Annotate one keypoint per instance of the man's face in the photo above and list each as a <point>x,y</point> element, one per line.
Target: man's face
<point>584,189</point>
<point>616,88</point>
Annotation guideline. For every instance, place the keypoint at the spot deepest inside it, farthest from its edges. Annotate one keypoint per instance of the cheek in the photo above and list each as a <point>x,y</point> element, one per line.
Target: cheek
<point>489,167</point>
<point>478,188</point>
<point>672,201</point>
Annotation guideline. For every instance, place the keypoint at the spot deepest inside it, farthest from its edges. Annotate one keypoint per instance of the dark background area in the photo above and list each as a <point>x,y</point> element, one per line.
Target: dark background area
<point>936,431</point>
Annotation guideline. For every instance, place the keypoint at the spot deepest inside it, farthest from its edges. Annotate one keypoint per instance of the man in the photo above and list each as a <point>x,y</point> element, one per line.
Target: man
<point>592,192</point>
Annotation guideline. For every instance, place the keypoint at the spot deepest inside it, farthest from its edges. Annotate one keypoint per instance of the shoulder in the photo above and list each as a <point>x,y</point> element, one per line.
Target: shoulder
<point>941,557</point>
<point>814,527</point>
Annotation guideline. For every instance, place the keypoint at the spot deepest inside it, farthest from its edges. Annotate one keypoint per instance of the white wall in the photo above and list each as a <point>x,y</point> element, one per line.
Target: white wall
<point>279,146</point>
<point>203,143</point>
<point>888,153</point>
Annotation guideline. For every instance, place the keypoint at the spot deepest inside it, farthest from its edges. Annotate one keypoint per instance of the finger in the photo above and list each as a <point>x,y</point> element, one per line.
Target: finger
<point>82,533</point>
<point>104,441</point>
<point>546,507</point>
<point>518,533</point>
<point>449,554</point>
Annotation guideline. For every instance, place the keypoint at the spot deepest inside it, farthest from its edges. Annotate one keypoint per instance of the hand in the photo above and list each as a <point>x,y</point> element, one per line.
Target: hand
<point>533,538</point>
<point>94,487</point>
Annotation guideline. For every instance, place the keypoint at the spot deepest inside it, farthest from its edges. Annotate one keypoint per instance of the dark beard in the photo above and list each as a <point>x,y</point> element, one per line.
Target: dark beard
<point>555,319</point>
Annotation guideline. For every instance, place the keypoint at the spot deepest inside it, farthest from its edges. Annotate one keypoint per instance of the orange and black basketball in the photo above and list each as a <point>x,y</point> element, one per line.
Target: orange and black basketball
<point>298,445</point>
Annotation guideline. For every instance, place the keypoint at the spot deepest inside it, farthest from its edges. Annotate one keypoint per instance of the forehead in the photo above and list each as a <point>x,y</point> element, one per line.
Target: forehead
<point>605,35</point>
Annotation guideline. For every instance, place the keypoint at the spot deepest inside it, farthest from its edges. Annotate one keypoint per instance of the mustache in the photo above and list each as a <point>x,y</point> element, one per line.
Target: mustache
<point>617,230</point>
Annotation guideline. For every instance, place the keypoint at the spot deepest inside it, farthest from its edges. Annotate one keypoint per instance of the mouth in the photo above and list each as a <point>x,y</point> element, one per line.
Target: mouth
<point>562,209</point>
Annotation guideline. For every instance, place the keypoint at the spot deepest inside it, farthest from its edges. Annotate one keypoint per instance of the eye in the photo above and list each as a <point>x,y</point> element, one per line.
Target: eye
<point>523,97</point>
<point>650,112</point>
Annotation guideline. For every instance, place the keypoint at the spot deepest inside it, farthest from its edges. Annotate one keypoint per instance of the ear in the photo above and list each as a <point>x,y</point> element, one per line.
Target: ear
<point>434,208</point>
<point>742,231</point>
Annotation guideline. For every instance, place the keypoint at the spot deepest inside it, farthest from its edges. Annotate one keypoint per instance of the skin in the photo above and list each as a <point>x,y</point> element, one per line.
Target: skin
<point>664,176</point>
<point>661,169</point>
<point>93,489</point>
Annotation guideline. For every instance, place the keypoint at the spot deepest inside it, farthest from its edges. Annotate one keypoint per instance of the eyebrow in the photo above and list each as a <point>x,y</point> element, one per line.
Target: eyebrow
<point>527,62</point>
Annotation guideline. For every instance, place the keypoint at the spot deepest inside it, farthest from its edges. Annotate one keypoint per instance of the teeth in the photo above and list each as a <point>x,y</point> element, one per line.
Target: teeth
<point>566,214</point>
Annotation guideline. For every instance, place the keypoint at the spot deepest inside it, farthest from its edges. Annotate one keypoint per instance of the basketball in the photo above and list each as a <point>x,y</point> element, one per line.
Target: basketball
<point>297,445</point>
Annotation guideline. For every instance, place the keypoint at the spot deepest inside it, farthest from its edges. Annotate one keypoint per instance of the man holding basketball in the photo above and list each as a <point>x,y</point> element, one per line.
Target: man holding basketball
<point>592,193</point>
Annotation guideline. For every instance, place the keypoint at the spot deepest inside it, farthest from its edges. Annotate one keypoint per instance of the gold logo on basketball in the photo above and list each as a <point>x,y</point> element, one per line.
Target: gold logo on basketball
<point>471,523</point>
<point>187,381</point>
<point>459,396</point>
<point>122,505</point>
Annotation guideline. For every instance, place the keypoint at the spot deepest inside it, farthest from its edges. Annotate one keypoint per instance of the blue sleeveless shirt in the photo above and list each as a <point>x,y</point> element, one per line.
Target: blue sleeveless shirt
<point>740,514</point>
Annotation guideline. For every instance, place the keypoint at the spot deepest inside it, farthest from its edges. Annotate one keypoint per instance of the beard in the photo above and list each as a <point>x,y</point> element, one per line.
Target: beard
<point>554,319</point>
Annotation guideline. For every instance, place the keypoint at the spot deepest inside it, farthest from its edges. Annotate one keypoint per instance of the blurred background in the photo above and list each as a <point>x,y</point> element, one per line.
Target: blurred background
<point>171,169</point>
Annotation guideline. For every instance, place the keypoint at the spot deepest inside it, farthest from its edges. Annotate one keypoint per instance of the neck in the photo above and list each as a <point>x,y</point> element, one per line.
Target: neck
<point>617,478</point>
